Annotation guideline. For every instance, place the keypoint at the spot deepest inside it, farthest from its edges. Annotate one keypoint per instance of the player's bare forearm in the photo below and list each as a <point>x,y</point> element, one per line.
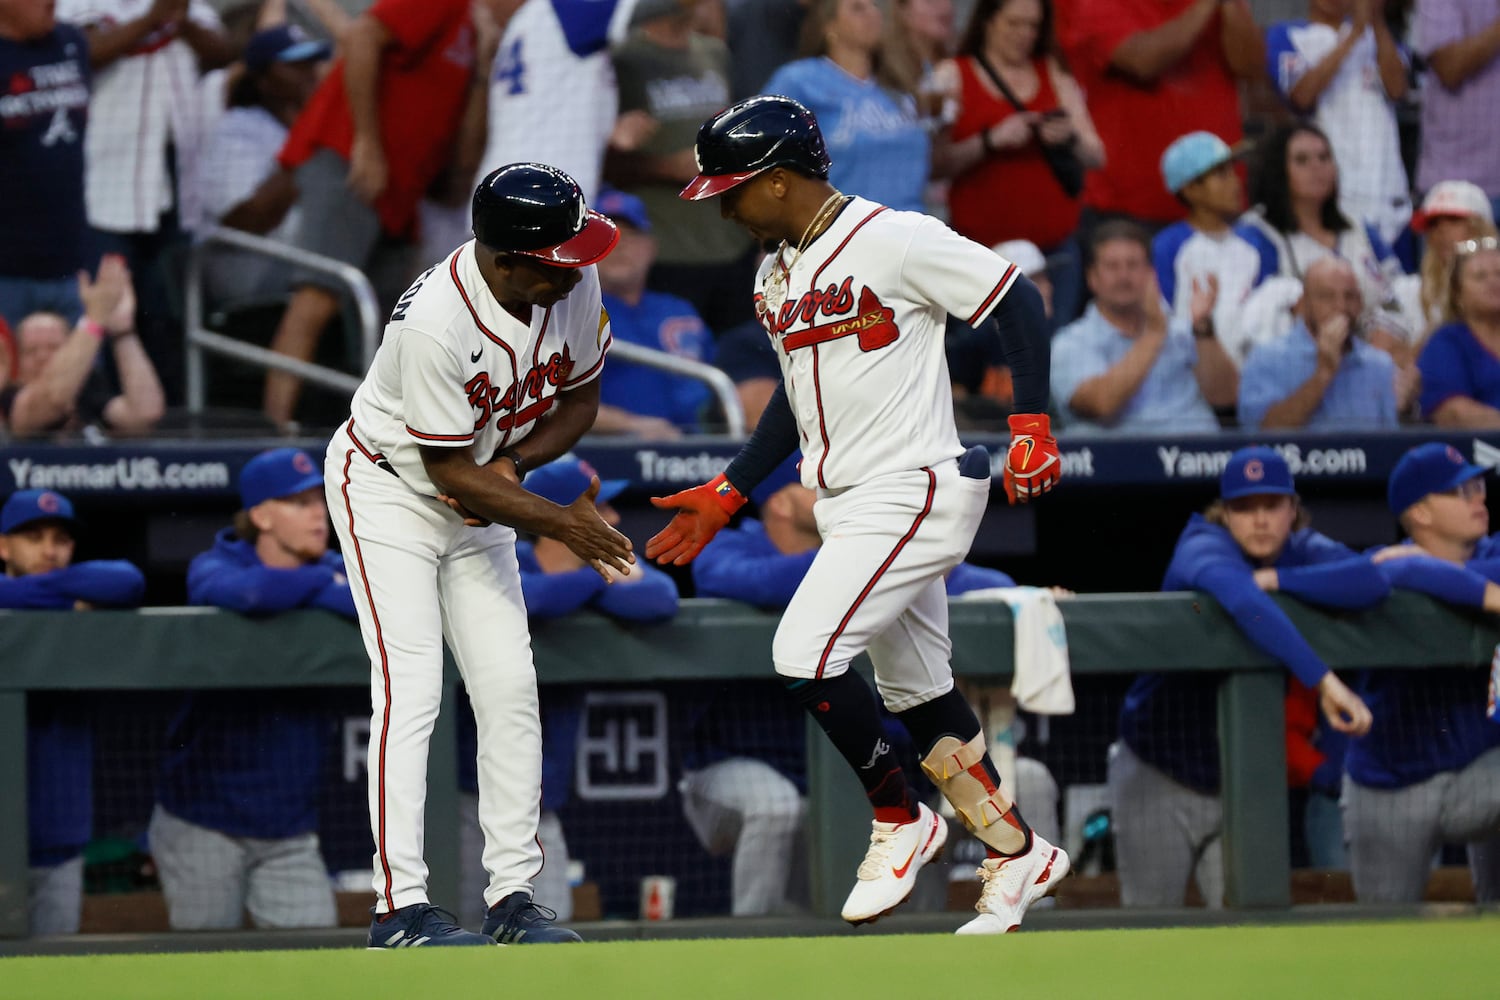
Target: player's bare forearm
<point>556,433</point>
<point>108,43</point>
<point>493,497</point>
<point>211,47</point>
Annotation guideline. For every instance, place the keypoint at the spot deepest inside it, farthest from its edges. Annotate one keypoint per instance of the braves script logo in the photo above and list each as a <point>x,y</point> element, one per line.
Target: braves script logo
<point>871,323</point>
<point>487,398</point>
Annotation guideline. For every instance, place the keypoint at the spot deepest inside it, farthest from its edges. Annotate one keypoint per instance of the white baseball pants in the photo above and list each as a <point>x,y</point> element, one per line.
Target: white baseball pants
<point>419,577</point>
<point>876,583</point>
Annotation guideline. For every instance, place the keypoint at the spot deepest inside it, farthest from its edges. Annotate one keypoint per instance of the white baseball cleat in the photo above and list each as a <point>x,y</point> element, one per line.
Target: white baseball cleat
<point>889,871</point>
<point>1011,885</point>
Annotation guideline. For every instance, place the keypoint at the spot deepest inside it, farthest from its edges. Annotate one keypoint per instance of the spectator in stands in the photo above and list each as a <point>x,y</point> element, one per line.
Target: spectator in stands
<point>1460,40</point>
<point>1296,197</point>
<point>1342,67</point>
<point>379,130</point>
<point>236,824</point>
<point>1323,374</point>
<point>1152,70</point>
<point>762,37</point>
<point>994,149</point>
<point>744,794</point>
<point>867,112</point>
<point>552,91</point>
<point>1461,363</point>
<point>43,110</point>
<point>744,353</point>
<point>1164,771</point>
<point>59,384</point>
<point>1210,247</point>
<point>556,584</point>
<point>1452,212</point>
<point>1125,365</point>
<point>919,36</point>
<point>982,392</point>
<point>145,128</point>
<point>237,181</point>
<point>1429,772</point>
<point>671,78</point>
<point>36,546</point>
<point>634,399</point>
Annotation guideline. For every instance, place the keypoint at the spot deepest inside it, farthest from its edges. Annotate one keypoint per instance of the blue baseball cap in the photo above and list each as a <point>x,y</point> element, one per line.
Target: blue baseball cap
<point>1433,467</point>
<point>284,43</point>
<point>1190,157</point>
<point>563,480</point>
<point>1256,471</point>
<point>29,506</point>
<point>280,472</point>
<point>624,209</point>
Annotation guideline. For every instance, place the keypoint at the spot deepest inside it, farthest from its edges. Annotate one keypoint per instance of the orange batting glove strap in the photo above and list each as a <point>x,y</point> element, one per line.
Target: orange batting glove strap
<point>701,512</point>
<point>1032,463</point>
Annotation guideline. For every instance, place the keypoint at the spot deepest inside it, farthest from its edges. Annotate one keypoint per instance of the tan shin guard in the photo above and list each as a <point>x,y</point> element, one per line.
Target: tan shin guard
<point>956,770</point>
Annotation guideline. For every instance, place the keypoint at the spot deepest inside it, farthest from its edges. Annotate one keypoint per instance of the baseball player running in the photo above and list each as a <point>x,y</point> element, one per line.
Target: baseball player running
<point>489,366</point>
<point>854,300</point>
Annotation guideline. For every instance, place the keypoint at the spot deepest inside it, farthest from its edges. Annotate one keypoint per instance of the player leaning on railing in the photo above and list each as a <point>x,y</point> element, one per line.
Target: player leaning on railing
<point>855,300</point>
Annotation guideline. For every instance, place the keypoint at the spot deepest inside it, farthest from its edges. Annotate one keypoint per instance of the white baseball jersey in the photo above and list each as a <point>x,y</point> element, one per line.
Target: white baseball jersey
<point>860,339</point>
<point>456,369</point>
<point>549,102</point>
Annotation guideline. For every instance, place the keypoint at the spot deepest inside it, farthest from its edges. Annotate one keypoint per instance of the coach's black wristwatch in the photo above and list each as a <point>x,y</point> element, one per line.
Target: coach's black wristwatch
<point>517,461</point>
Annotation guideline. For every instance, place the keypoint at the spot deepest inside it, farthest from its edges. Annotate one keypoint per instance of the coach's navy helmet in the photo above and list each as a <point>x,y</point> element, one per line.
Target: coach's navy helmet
<point>1428,468</point>
<point>30,506</point>
<point>280,472</point>
<point>537,210</point>
<point>564,479</point>
<point>752,137</point>
<point>1256,471</point>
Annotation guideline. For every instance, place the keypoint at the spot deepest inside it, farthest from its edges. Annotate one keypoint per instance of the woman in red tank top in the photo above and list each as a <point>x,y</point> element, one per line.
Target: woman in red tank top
<point>1002,187</point>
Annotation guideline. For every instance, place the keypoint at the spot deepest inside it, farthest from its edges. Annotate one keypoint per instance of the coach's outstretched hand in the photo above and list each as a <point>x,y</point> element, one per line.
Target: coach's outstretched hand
<point>1032,465</point>
<point>701,512</point>
<point>593,541</point>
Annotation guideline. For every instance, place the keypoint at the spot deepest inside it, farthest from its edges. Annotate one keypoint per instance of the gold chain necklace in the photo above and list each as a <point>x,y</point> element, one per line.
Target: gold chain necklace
<point>781,270</point>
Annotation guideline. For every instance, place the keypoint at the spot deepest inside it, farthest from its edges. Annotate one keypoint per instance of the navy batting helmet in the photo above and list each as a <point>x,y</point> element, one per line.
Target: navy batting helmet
<point>754,136</point>
<point>537,210</point>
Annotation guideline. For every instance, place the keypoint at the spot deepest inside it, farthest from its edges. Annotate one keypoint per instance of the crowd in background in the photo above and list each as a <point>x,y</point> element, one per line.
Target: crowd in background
<point>1100,144</point>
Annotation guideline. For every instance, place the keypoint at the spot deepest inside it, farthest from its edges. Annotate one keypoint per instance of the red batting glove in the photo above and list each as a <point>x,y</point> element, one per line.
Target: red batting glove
<point>1032,465</point>
<point>701,512</point>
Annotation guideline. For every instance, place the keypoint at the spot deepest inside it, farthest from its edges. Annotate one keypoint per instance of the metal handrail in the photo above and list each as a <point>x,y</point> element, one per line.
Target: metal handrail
<point>719,383</point>
<point>200,340</point>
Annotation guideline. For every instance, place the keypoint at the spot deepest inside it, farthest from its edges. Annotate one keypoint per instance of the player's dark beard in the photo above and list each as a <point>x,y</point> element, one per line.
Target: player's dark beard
<point>770,246</point>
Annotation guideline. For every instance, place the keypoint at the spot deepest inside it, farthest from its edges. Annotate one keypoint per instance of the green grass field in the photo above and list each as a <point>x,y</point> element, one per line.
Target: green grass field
<point>1421,959</point>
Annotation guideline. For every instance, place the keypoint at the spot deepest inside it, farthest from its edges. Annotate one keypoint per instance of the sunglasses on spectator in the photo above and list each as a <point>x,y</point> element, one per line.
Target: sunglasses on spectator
<point>1464,247</point>
<point>1466,490</point>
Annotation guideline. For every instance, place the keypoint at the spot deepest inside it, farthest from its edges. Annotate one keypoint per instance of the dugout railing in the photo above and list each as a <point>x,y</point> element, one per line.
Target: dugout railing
<point>191,648</point>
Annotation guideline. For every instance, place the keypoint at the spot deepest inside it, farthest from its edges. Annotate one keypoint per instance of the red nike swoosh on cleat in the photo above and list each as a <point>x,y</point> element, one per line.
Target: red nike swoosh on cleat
<point>1048,870</point>
<point>899,872</point>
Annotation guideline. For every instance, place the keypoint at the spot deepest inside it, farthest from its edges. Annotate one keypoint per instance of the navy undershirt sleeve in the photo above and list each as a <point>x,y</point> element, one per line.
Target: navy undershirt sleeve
<point>1021,322</point>
<point>774,438</point>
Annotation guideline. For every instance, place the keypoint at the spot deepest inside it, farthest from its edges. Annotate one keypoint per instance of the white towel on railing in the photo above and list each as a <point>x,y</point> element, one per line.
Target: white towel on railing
<point>1042,681</point>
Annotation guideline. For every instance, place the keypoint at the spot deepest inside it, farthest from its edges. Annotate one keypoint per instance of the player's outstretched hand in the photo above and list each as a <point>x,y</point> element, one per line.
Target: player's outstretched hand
<point>593,541</point>
<point>1345,710</point>
<point>471,519</point>
<point>1032,464</point>
<point>701,512</point>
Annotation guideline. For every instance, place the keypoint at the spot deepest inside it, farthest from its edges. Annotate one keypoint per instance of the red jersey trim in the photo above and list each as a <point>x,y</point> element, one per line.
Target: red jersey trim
<point>373,456</point>
<point>1004,284</point>
<point>839,249</point>
<point>441,438</point>
<point>910,534</point>
<point>590,373</point>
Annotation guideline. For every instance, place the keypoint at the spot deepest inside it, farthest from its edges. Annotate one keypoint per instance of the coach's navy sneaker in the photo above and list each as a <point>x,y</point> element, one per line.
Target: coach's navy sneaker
<point>517,920</point>
<point>420,925</point>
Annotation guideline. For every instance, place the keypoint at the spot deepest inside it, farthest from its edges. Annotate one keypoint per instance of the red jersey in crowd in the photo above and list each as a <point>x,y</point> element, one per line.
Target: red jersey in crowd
<point>424,82</point>
<point>1137,121</point>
